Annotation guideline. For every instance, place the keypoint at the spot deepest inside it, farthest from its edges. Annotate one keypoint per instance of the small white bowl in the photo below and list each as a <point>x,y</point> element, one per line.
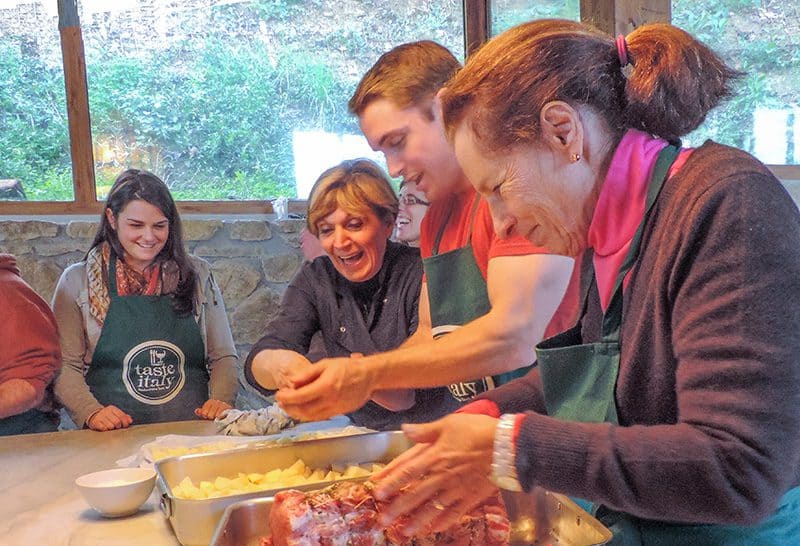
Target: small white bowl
<point>117,492</point>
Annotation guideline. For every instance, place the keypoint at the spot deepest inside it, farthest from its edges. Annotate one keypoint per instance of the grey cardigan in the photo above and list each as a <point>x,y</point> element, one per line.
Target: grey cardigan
<point>79,333</point>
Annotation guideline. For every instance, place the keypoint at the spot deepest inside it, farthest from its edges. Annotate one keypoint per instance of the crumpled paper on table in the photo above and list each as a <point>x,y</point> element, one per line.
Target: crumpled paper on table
<point>173,445</point>
<point>177,445</point>
<point>258,422</point>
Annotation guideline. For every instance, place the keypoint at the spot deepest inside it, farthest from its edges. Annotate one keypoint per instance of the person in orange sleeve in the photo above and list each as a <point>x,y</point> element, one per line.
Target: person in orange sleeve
<point>29,356</point>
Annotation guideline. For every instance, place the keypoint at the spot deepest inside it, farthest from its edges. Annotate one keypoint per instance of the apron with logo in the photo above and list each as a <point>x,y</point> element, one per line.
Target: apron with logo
<point>457,294</point>
<point>149,362</point>
<point>579,380</point>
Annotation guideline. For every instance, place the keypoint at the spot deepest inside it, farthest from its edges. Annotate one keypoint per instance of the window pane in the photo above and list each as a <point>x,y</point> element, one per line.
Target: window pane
<point>507,13</point>
<point>34,135</point>
<point>239,99</point>
<point>761,39</point>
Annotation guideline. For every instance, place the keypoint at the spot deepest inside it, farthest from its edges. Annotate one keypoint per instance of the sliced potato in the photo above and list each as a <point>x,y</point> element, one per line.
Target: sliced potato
<point>296,475</point>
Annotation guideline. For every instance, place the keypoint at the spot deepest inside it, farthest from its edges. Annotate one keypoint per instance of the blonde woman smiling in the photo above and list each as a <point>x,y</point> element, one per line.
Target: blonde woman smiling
<point>362,295</point>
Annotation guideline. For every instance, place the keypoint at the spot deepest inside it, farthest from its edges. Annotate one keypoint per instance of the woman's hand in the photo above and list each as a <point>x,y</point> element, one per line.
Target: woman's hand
<point>289,368</point>
<point>326,388</point>
<point>109,418</point>
<point>212,409</point>
<point>273,368</point>
<point>441,478</point>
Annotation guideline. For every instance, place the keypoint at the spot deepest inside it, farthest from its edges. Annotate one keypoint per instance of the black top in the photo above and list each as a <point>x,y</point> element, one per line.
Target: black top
<point>321,299</point>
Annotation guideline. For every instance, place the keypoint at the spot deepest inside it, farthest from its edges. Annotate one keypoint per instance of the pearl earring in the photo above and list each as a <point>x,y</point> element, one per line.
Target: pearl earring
<point>575,157</point>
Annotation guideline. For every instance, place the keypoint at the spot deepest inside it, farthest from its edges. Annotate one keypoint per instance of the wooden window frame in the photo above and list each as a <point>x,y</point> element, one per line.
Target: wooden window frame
<point>613,16</point>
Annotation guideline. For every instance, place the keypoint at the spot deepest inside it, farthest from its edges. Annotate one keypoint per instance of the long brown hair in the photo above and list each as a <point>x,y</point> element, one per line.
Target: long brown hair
<point>135,184</point>
<point>674,81</point>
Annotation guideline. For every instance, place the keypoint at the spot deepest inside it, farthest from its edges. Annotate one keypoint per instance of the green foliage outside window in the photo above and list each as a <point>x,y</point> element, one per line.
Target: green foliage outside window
<point>213,110</point>
<point>34,142</point>
<point>508,13</point>
<point>217,124</point>
<point>761,38</point>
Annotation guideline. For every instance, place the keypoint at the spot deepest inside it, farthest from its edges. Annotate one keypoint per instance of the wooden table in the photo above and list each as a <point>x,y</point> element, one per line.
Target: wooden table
<point>41,506</point>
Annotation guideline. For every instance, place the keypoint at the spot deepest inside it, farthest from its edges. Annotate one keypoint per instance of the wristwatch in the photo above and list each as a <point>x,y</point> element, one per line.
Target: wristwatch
<point>504,468</point>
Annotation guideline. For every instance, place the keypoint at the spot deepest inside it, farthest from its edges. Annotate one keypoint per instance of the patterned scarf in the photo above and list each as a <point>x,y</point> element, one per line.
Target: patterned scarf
<point>129,281</point>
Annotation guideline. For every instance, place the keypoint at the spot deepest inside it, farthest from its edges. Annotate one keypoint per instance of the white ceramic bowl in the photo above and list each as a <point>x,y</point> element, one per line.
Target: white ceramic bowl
<point>117,492</point>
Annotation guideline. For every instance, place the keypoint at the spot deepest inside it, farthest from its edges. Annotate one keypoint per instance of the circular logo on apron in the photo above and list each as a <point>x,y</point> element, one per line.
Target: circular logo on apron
<point>153,372</point>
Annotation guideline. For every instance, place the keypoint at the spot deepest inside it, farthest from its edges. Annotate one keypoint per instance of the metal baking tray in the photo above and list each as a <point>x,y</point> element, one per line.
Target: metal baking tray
<point>193,521</point>
<point>537,518</point>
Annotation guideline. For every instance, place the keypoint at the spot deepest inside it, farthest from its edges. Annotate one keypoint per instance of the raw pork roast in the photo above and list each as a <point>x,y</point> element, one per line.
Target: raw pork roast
<point>346,514</point>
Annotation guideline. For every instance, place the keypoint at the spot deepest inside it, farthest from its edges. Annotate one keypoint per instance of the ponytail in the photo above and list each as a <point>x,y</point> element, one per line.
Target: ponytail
<point>673,81</point>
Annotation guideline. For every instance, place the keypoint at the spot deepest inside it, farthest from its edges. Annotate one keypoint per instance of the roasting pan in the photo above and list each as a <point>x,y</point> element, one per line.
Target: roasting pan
<point>540,518</point>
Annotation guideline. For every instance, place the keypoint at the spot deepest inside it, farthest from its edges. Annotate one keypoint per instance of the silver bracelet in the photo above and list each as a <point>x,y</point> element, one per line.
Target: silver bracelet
<point>504,468</point>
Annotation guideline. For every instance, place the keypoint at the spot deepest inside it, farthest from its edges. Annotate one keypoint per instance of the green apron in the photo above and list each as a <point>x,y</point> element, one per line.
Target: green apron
<point>149,362</point>
<point>28,422</point>
<point>457,295</point>
<point>579,379</point>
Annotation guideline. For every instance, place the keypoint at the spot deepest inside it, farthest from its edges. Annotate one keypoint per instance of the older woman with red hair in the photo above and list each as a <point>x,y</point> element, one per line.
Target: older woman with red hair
<point>672,405</point>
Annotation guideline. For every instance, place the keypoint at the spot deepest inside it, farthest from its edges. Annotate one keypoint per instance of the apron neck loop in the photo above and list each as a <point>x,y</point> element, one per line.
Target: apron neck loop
<point>447,217</point>
<point>472,215</point>
<point>612,319</point>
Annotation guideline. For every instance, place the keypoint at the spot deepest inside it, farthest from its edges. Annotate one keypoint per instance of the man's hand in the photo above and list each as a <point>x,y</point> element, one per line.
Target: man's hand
<point>212,409</point>
<point>392,399</point>
<point>442,477</point>
<point>330,387</point>
<point>109,418</point>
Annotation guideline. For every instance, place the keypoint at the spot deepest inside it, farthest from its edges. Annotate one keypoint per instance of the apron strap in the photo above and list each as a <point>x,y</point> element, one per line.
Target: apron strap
<point>450,210</point>
<point>612,319</point>
<point>112,275</point>
<point>443,226</point>
<point>586,281</point>
<point>472,217</point>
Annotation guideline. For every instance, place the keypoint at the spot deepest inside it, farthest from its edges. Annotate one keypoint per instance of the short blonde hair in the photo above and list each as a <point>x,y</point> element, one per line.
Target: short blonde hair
<point>355,186</point>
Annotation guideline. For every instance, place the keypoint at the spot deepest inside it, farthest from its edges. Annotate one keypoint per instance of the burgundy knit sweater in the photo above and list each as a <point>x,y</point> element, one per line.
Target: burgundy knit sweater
<point>708,392</point>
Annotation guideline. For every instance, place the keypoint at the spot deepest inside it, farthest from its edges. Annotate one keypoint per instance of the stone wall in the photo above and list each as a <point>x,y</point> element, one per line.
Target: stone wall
<point>252,259</point>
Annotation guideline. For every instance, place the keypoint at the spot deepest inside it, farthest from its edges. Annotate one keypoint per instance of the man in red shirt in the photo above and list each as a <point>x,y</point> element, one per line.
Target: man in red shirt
<point>493,297</point>
<point>30,355</point>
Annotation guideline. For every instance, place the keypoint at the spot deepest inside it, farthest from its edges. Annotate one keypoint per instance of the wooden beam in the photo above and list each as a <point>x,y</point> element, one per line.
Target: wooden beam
<point>633,13</point>
<point>598,13</point>
<point>296,206</point>
<point>785,172</point>
<point>22,208</point>
<point>80,127</point>
<point>54,208</point>
<point>622,16</point>
<point>477,24</point>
